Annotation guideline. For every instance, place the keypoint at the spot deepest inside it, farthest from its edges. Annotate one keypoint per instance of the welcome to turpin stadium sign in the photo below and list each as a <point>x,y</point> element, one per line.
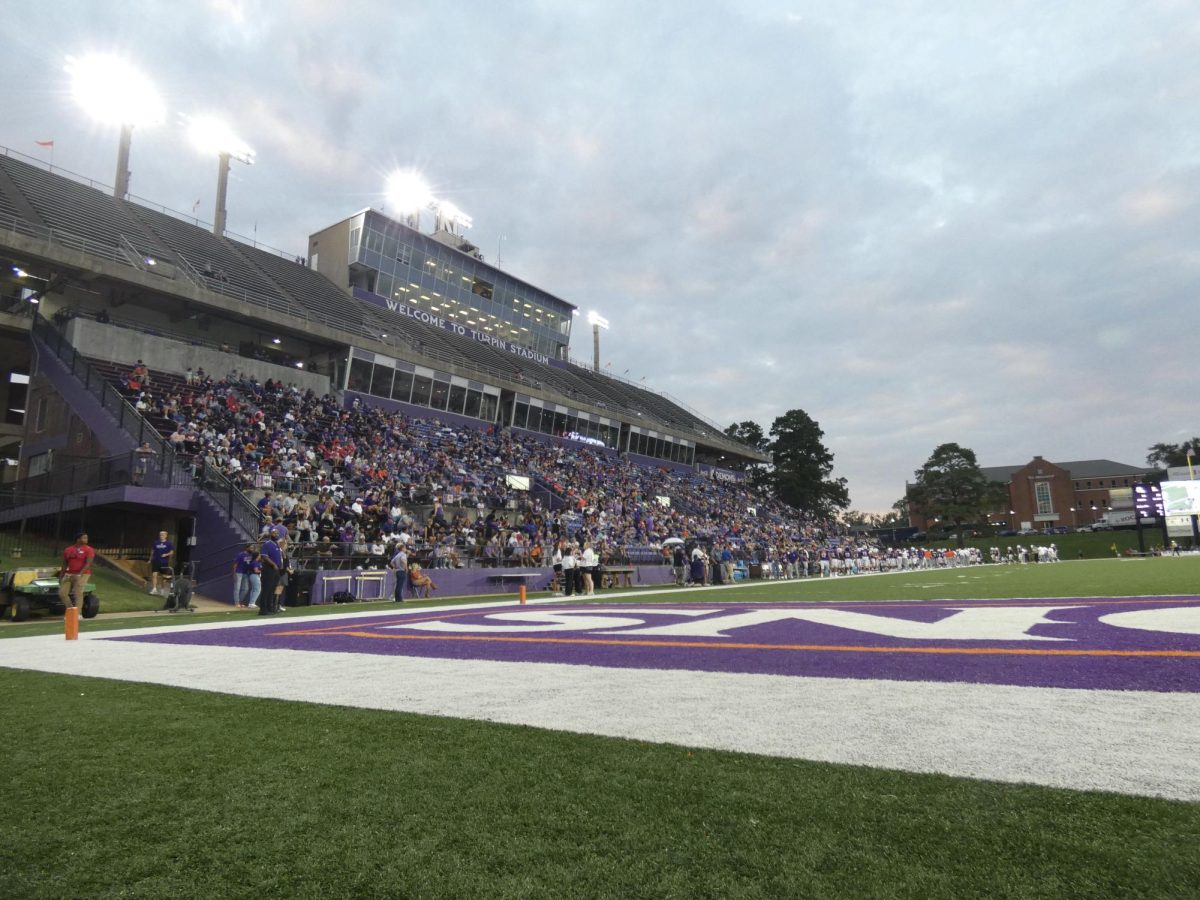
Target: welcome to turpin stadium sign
<point>428,318</point>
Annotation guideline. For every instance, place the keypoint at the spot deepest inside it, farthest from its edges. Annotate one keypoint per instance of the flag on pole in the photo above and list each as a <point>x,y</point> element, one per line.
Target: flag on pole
<point>49,144</point>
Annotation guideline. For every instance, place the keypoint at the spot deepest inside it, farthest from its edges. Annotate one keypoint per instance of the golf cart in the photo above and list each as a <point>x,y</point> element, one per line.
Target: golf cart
<point>23,590</point>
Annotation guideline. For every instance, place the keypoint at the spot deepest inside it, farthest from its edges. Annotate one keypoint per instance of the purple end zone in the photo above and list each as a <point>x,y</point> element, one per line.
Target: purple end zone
<point>902,640</point>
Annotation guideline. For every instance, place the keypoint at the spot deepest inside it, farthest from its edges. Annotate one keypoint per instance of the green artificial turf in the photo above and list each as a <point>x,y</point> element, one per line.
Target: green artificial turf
<point>122,789</point>
<point>119,789</point>
<point>1077,545</point>
<point>54,624</point>
<point>1089,578</point>
<point>115,590</point>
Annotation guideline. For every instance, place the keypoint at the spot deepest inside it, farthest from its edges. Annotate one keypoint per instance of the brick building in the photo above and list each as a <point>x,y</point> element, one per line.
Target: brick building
<point>1044,494</point>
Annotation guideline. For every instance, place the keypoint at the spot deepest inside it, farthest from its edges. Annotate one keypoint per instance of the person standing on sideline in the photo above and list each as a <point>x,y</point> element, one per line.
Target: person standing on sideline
<point>399,566</point>
<point>568,568</point>
<point>76,570</point>
<point>726,565</point>
<point>699,565</point>
<point>253,580</point>
<point>160,562</point>
<point>245,591</point>
<point>587,569</point>
<point>679,563</point>
<point>556,560</point>
<point>272,568</point>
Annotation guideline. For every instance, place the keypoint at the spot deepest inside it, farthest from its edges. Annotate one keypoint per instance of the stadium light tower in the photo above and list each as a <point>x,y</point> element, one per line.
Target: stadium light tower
<point>409,193</point>
<point>211,135</point>
<point>597,322</point>
<point>114,92</point>
<point>449,217</point>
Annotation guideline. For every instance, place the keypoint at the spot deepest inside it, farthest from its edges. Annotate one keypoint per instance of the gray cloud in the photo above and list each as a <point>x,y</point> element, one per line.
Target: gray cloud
<point>918,224</point>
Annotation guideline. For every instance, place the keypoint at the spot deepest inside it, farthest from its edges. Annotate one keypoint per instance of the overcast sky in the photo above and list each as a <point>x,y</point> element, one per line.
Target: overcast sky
<point>919,222</point>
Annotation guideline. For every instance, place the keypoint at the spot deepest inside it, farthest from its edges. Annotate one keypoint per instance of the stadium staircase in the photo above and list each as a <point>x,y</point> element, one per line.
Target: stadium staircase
<point>224,516</point>
<point>541,485</point>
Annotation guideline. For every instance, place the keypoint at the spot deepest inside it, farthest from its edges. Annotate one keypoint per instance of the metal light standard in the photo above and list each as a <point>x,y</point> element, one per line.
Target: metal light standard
<point>597,322</point>
<point>409,193</point>
<point>211,135</point>
<point>114,92</point>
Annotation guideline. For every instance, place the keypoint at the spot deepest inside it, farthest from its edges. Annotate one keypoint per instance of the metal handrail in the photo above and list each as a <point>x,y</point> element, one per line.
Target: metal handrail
<point>644,387</point>
<point>123,255</point>
<point>93,474</point>
<point>141,201</point>
<point>62,238</point>
<point>220,489</point>
<point>121,322</point>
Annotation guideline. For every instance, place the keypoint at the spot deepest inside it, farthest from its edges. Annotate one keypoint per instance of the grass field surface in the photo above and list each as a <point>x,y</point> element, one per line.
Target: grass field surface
<point>116,591</point>
<point>122,789</point>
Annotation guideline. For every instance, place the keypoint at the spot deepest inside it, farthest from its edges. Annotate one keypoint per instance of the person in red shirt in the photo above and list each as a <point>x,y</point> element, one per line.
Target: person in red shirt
<point>76,570</point>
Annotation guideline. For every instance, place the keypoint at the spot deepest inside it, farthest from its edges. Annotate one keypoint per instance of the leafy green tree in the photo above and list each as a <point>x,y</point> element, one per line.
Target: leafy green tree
<point>750,433</point>
<point>801,466</point>
<point>951,486</point>
<point>1166,455</point>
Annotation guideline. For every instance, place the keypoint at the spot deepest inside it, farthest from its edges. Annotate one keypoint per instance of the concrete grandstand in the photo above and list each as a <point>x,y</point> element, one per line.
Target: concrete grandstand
<point>92,284</point>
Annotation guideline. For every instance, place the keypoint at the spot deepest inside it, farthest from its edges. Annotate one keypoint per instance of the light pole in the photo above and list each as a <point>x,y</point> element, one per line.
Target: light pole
<point>448,217</point>
<point>114,92</point>
<point>211,135</point>
<point>597,322</point>
<point>408,192</point>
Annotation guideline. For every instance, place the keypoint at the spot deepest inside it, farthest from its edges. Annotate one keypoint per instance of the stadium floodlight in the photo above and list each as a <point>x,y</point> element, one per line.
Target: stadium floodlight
<point>450,217</point>
<point>211,135</point>
<point>113,91</point>
<point>597,322</point>
<point>409,193</point>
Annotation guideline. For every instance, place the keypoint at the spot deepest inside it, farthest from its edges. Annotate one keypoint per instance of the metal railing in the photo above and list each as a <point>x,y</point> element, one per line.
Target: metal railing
<point>642,386</point>
<point>142,328</point>
<point>134,198</point>
<point>128,256</point>
<point>169,468</point>
<point>65,239</point>
<point>130,468</point>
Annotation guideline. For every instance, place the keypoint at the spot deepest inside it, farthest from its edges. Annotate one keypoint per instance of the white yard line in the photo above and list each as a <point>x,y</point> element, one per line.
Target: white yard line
<point>1125,741</point>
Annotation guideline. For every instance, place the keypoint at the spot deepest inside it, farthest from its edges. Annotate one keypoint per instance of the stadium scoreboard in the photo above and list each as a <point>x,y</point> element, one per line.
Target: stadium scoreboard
<point>1148,501</point>
<point>1181,498</point>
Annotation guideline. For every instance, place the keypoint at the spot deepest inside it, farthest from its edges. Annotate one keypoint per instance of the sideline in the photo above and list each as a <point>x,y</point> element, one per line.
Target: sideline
<point>1131,742</point>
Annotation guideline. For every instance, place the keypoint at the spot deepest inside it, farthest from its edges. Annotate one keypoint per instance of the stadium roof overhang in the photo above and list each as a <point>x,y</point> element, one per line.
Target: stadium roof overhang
<point>162,283</point>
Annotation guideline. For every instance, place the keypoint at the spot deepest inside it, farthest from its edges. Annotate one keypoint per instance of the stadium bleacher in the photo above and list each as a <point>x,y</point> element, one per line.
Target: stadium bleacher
<point>271,435</point>
<point>75,208</point>
<point>278,284</point>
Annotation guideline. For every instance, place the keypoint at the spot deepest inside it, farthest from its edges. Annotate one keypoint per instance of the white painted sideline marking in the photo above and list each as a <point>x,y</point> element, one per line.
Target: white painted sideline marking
<point>1125,741</point>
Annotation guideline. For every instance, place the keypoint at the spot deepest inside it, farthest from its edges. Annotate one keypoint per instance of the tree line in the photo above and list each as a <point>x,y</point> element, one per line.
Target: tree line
<point>800,472</point>
<point>951,485</point>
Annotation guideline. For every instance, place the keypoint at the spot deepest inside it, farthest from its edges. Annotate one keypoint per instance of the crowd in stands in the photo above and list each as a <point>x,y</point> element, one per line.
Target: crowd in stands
<point>366,479</point>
